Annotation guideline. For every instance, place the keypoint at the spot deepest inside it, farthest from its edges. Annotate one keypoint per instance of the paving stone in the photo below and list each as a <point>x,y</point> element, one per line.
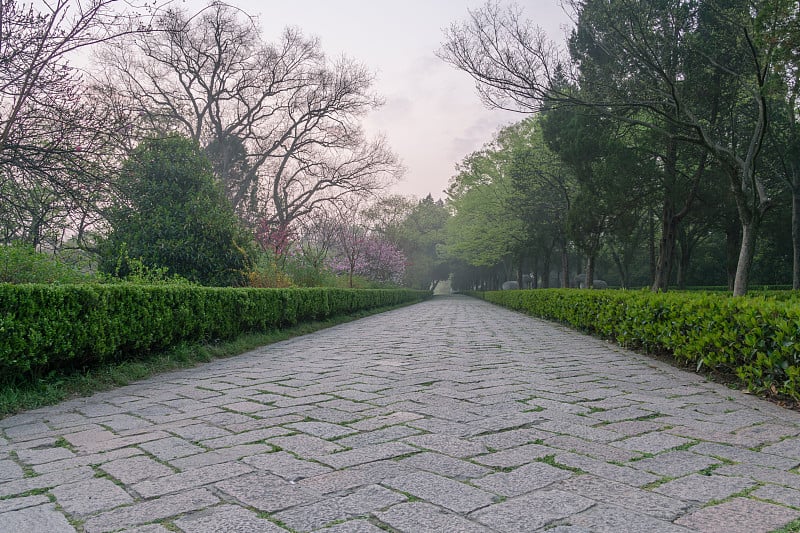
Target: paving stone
<point>511,439</point>
<point>652,442</point>
<point>515,456</point>
<point>150,528</point>
<point>675,464</point>
<point>323,430</point>
<point>622,474</point>
<point>171,448</point>
<point>532,511</point>
<point>27,431</point>
<point>739,515</point>
<point>610,519</point>
<point>615,493</point>
<point>445,465</point>
<point>10,470</point>
<point>306,445</point>
<point>447,445</point>
<point>367,454</point>
<point>632,428</point>
<point>420,517</point>
<point>442,491</point>
<point>378,436</point>
<point>151,511</point>
<point>45,481</point>
<point>90,496</point>
<point>783,495</point>
<point>445,427</point>
<point>360,502</point>
<point>286,465</point>
<point>190,479</point>
<point>87,459</point>
<point>40,519</point>
<point>222,455</point>
<point>97,441</point>
<point>358,476</point>
<point>22,502</point>
<point>246,437</point>
<point>197,432</point>
<point>352,526</point>
<point>135,469</point>
<point>524,479</point>
<point>124,421</point>
<point>762,474</point>
<point>579,430</point>
<point>699,488</point>
<point>267,492</point>
<point>46,455</point>
<point>226,519</point>
<point>787,448</point>
<point>245,407</point>
<point>593,449</point>
<point>742,455</point>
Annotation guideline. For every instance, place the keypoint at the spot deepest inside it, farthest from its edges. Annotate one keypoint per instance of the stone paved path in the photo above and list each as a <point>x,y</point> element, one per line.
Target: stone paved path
<point>448,416</point>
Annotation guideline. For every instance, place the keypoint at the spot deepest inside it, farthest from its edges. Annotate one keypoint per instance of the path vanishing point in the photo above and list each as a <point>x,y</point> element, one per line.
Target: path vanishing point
<point>452,415</point>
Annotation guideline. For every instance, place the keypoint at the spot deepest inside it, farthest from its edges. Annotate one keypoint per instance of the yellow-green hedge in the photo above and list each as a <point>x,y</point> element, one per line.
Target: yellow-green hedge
<point>46,326</point>
<point>756,338</point>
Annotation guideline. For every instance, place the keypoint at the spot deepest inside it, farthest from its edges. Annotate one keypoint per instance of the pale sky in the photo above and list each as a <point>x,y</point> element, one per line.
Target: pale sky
<point>432,117</point>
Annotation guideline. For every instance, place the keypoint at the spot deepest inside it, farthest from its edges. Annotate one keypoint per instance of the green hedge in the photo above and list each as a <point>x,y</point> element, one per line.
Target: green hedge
<point>48,326</point>
<point>756,338</point>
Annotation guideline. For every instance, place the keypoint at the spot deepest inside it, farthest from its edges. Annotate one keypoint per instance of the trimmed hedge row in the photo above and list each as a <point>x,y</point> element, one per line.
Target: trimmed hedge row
<point>758,338</point>
<point>47,326</point>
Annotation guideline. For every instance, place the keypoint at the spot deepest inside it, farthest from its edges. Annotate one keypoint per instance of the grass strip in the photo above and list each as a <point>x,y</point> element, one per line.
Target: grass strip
<point>60,385</point>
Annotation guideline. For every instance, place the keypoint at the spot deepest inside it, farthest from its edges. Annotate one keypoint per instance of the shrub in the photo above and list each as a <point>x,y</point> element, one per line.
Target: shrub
<point>44,326</point>
<point>20,263</point>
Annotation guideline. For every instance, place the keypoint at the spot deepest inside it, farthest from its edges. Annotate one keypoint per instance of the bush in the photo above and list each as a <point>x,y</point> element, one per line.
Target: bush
<point>756,338</point>
<point>20,263</point>
<point>173,213</point>
<point>72,326</point>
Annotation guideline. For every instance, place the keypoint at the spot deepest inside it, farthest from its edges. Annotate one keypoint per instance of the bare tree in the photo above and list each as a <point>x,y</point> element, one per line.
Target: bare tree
<point>50,135</point>
<point>280,122</point>
<point>652,65</point>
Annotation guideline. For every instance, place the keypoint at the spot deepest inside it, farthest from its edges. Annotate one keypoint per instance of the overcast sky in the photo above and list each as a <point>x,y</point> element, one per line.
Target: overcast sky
<point>432,117</point>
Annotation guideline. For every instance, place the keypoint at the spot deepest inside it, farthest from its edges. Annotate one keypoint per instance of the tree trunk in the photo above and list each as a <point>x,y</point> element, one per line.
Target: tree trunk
<point>546,269</point>
<point>589,283</point>
<point>564,264</point>
<point>683,263</point>
<point>621,268</point>
<point>733,236</point>
<point>652,246</point>
<point>746,253</point>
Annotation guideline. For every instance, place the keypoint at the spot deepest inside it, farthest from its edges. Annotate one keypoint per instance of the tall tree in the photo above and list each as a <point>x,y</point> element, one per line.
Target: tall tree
<point>52,139</point>
<point>280,121</point>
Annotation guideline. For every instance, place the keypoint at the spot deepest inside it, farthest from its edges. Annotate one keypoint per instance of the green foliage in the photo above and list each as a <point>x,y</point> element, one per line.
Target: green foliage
<point>172,213</point>
<point>44,327</point>
<point>756,338</point>
<point>20,263</point>
<point>421,235</point>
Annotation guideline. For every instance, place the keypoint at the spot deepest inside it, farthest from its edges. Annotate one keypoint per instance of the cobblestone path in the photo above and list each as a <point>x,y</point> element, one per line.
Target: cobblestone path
<point>450,416</point>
